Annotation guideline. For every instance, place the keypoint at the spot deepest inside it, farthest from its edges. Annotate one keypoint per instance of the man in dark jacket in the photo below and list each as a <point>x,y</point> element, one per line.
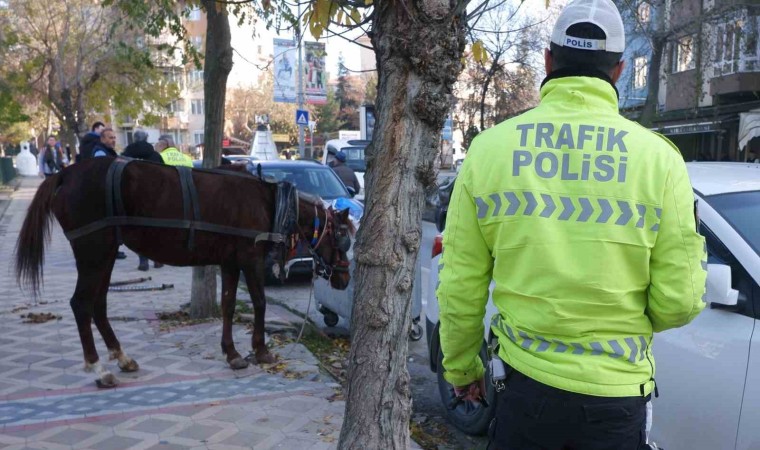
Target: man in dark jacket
<point>345,173</point>
<point>141,149</point>
<point>89,140</point>
<point>105,146</point>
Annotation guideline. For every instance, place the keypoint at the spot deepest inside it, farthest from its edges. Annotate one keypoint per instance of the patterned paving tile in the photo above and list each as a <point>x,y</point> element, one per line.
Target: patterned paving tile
<point>184,396</point>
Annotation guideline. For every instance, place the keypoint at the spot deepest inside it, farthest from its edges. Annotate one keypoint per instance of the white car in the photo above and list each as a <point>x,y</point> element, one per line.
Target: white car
<point>708,372</point>
<point>354,150</point>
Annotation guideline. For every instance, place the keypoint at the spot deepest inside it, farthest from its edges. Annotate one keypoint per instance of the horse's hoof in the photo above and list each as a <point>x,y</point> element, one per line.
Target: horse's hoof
<point>265,358</point>
<point>238,363</point>
<point>130,366</point>
<point>107,381</point>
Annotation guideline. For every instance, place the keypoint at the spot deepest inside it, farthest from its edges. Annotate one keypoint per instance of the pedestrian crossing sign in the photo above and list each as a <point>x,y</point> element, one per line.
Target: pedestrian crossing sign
<point>302,117</point>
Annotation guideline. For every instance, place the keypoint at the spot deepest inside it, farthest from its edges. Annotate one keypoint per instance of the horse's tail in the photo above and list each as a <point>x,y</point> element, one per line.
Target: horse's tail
<point>30,247</point>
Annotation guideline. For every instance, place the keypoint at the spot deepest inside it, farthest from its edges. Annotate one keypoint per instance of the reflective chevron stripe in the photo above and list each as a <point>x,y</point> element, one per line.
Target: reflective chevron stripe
<point>564,208</point>
<point>631,348</point>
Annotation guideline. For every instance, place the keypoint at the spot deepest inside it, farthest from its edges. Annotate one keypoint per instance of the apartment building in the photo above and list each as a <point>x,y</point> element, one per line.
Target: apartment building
<point>709,82</point>
<point>633,84</point>
<point>183,117</point>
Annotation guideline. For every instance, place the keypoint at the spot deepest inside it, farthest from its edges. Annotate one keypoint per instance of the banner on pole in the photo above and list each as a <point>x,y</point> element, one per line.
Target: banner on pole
<point>285,69</point>
<point>315,75</point>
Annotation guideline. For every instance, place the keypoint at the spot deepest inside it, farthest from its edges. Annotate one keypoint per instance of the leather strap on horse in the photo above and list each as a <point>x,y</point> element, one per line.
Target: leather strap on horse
<point>116,213</point>
<point>190,207</point>
<point>114,199</point>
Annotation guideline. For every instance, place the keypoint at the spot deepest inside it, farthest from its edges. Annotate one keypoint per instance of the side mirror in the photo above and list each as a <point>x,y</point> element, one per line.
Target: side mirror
<point>351,191</point>
<point>719,286</point>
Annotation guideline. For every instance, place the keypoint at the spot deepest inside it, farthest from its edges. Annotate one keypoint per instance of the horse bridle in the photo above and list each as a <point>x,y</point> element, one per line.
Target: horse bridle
<point>342,242</point>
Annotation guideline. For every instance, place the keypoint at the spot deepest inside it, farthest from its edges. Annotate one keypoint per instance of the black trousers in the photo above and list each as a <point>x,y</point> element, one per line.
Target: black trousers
<point>533,416</point>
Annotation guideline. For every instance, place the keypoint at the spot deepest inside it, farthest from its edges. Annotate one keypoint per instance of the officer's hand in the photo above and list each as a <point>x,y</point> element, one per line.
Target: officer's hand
<point>474,392</point>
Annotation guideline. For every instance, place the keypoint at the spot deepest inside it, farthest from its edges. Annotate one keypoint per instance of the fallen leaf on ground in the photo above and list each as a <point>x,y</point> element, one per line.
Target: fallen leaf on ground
<point>39,317</point>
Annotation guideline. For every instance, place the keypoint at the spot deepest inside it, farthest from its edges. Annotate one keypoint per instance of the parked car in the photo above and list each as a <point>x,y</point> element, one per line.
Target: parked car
<point>444,196</point>
<point>354,150</point>
<point>228,159</point>
<point>241,159</point>
<point>458,164</point>
<point>708,372</point>
<point>312,178</point>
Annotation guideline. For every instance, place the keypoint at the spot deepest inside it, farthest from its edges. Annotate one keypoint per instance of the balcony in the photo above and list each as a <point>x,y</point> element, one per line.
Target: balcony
<point>175,122</point>
<point>735,83</point>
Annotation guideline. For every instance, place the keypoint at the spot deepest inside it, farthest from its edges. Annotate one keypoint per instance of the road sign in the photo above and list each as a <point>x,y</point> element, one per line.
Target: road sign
<point>302,117</point>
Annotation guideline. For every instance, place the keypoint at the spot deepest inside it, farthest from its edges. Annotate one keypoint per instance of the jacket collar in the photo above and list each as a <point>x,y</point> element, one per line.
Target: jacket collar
<point>579,86</point>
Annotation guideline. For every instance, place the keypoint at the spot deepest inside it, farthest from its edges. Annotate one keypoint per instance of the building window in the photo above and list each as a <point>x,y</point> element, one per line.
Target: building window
<point>129,135</point>
<point>196,107</point>
<point>176,106</point>
<point>195,14</point>
<point>640,69</point>
<point>197,42</point>
<point>198,137</point>
<point>195,76</point>
<point>644,13</point>
<point>684,54</point>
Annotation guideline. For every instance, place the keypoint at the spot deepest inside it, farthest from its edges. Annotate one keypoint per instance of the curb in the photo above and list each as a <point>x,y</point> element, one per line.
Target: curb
<point>5,202</point>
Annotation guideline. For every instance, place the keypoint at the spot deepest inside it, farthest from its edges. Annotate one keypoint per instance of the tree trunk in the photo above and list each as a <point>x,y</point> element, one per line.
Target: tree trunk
<point>416,75</point>
<point>204,288</point>
<point>217,66</point>
<point>649,111</point>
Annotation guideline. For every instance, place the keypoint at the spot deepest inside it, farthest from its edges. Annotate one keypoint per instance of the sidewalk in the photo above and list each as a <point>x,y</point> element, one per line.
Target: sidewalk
<point>183,397</point>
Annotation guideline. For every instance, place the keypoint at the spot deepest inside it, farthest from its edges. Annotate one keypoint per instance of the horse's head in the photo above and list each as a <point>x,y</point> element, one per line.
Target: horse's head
<point>329,248</point>
<point>329,238</point>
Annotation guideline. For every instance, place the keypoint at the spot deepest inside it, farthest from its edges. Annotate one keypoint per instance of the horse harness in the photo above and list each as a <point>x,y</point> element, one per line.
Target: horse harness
<point>116,214</point>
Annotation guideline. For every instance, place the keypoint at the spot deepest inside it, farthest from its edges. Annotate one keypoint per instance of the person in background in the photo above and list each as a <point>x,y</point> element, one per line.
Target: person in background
<point>89,141</point>
<point>51,159</point>
<point>345,173</point>
<point>141,149</point>
<point>105,146</point>
<point>171,154</point>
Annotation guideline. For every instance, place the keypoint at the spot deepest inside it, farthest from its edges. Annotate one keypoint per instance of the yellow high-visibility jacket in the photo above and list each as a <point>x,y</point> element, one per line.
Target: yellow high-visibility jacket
<point>585,222</point>
<point>174,157</point>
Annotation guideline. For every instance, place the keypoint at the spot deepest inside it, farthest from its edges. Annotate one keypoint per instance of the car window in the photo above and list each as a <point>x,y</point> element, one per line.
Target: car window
<point>355,158</point>
<point>718,253</point>
<point>742,211</point>
<point>315,180</point>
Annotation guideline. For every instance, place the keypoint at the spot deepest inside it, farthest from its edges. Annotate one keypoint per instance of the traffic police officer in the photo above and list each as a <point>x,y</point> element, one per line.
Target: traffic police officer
<point>585,223</point>
<point>170,154</point>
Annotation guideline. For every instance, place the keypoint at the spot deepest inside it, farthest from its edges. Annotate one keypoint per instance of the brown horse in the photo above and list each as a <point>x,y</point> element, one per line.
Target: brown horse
<point>238,204</point>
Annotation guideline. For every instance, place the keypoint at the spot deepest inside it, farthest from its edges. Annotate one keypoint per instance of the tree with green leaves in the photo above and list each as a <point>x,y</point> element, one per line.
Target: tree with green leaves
<point>327,115</point>
<point>76,59</point>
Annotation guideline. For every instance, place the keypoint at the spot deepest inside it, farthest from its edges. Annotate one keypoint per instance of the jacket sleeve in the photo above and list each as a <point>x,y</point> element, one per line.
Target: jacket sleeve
<point>463,290</point>
<point>678,262</point>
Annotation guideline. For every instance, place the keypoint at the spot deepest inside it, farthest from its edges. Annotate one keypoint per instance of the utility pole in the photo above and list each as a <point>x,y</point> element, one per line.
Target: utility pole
<point>299,91</point>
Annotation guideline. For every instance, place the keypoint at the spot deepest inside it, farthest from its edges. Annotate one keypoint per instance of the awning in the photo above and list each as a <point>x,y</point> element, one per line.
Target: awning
<point>749,126</point>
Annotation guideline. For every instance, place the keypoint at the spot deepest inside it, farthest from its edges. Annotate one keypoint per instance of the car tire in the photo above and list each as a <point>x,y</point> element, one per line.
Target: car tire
<point>468,417</point>
<point>330,318</point>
